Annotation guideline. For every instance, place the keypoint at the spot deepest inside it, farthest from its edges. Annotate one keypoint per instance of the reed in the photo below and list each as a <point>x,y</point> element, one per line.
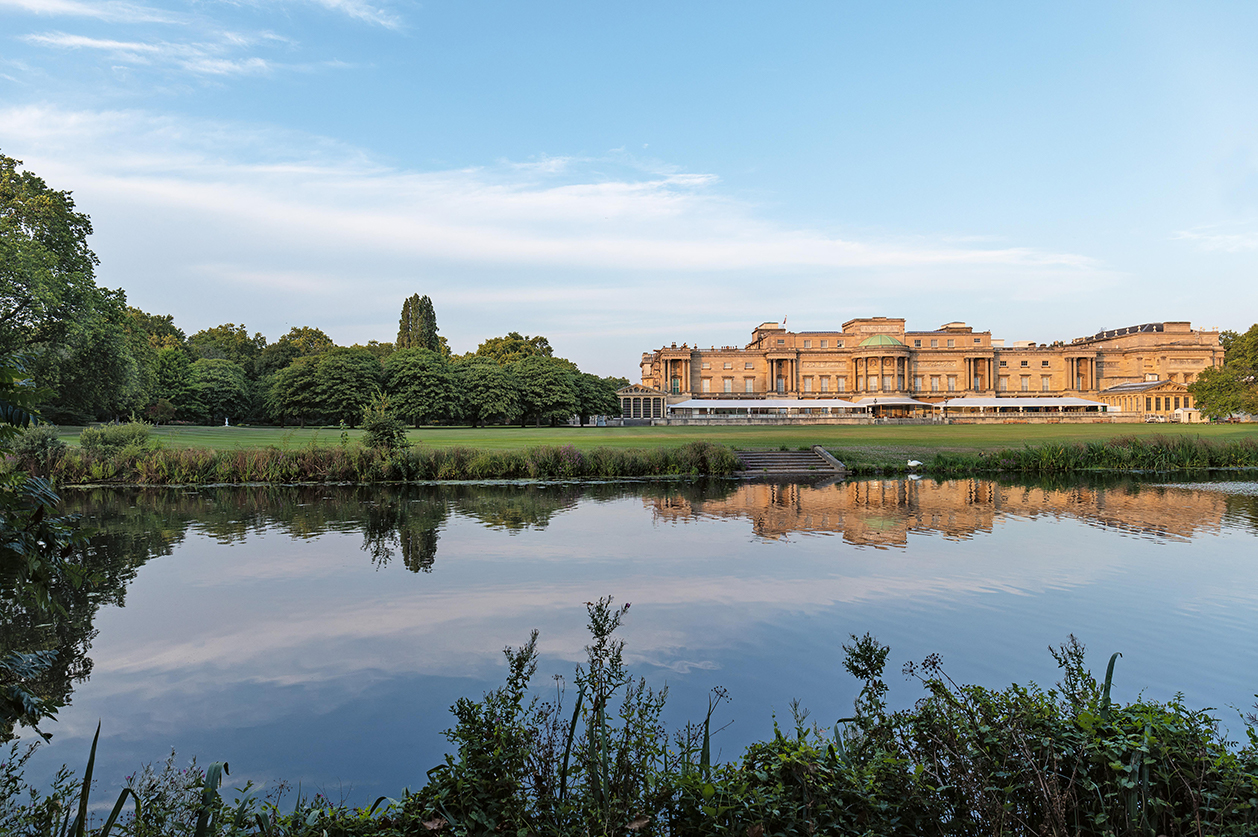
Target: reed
<point>358,464</point>
<point>1158,453</point>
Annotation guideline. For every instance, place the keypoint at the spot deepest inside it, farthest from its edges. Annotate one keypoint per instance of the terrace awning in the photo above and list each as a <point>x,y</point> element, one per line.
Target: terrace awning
<point>764,404</point>
<point>1019,403</point>
<point>892,401</point>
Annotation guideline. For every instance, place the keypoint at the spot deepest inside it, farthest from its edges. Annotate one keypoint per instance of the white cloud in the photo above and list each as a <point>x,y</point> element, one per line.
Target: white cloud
<point>558,245</point>
<point>1232,238</point>
<point>204,58</point>
<point>107,10</point>
<point>362,11</point>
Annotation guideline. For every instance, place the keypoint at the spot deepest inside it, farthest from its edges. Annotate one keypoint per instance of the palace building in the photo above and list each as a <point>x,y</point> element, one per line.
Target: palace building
<point>878,358</point>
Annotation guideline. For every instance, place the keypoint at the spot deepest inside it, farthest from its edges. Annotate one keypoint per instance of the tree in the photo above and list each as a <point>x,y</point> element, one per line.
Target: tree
<point>421,386</point>
<point>1220,391</point>
<point>1232,388</point>
<point>514,346</point>
<point>173,378</point>
<point>597,396</point>
<point>380,350</point>
<point>228,342</point>
<point>46,268</point>
<point>301,341</point>
<point>160,329</point>
<point>218,389</point>
<point>488,393</point>
<point>347,380</point>
<point>294,391</point>
<point>92,369</point>
<point>547,392</point>
<point>417,327</point>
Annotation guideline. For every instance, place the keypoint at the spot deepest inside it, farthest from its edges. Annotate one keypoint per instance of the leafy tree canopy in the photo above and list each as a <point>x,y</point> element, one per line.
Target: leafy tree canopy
<point>1233,388</point>
<point>421,386</point>
<point>514,347</point>
<point>547,389</point>
<point>488,392</point>
<point>301,341</point>
<point>348,379</point>
<point>218,389</point>
<point>159,328</point>
<point>46,268</point>
<point>228,342</point>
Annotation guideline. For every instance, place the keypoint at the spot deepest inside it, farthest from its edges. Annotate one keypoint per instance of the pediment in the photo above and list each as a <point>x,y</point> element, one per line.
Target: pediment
<point>639,389</point>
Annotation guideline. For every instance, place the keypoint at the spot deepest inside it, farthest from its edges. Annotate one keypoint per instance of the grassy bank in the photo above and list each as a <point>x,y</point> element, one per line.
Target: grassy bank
<point>356,464</point>
<point>596,759</point>
<point>868,443</point>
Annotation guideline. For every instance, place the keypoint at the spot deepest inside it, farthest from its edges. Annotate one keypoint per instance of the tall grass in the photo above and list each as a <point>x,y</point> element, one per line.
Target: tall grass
<point>1157,453</point>
<point>355,464</point>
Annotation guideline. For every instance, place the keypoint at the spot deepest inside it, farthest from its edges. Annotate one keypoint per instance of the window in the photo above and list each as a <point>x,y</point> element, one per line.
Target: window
<point>781,385</point>
<point>917,384</point>
<point>807,344</point>
<point>934,344</point>
<point>838,344</point>
<point>952,383</point>
<point>1046,383</point>
<point>978,341</point>
<point>825,384</point>
<point>823,344</point>
<point>1004,383</point>
<point>749,384</point>
<point>1157,405</point>
<point>1044,364</point>
<point>707,384</point>
<point>917,344</point>
<point>1026,383</point>
<point>952,343</point>
<point>729,384</point>
<point>1003,364</point>
<point>729,364</point>
<point>1024,364</point>
<point>840,384</point>
<point>808,384</point>
<point>886,382</point>
<point>1177,402</point>
<point>1148,404</point>
<point>934,383</point>
<point>749,365</point>
<point>675,386</point>
<point>781,341</point>
<point>705,365</point>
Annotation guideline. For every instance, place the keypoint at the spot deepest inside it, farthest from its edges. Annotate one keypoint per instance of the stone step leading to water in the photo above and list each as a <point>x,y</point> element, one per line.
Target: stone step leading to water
<point>778,462</point>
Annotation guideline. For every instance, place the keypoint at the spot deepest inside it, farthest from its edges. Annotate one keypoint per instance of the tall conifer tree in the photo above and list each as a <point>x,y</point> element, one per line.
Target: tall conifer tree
<point>417,328</point>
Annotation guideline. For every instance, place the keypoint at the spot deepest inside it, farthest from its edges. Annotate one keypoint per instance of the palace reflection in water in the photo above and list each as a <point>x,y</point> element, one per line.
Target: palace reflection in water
<point>882,513</point>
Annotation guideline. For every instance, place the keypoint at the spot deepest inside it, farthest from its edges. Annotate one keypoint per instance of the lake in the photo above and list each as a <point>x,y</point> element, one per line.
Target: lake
<point>319,634</point>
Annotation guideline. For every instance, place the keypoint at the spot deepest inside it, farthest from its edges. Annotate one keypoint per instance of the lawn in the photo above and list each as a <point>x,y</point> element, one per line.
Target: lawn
<point>874,444</point>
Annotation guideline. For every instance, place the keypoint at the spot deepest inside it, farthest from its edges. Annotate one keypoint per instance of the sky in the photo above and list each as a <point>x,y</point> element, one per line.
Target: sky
<point>620,176</point>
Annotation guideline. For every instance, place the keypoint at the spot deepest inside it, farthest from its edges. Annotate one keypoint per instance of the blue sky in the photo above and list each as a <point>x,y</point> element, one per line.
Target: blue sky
<point>619,176</point>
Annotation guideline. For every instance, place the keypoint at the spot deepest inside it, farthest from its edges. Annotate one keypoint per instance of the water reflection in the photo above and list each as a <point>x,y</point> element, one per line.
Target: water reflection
<point>262,624</point>
<point>881,513</point>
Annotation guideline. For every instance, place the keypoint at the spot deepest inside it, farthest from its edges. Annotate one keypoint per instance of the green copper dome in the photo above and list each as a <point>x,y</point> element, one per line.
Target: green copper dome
<point>881,340</point>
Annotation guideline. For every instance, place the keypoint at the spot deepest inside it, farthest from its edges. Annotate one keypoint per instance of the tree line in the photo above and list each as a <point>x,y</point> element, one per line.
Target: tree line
<point>98,358</point>
<point>1221,391</point>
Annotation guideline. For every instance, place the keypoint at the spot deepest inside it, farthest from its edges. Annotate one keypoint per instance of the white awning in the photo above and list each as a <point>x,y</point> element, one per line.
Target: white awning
<point>765,404</point>
<point>892,401</point>
<point>1020,402</point>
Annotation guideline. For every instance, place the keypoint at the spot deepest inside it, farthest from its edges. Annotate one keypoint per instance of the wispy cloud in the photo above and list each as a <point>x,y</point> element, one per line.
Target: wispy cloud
<point>362,11</point>
<point>184,209</point>
<point>1229,238</point>
<point>107,10</point>
<point>205,58</point>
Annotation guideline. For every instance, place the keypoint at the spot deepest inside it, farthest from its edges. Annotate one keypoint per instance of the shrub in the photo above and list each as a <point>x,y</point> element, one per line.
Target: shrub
<point>37,447</point>
<point>108,439</point>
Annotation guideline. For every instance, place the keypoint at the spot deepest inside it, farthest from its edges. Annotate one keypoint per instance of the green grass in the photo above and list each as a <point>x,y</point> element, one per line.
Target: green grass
<point>869,444</point>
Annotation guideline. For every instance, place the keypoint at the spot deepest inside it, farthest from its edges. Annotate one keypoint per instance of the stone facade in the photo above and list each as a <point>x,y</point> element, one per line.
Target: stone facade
<point>877,355</point>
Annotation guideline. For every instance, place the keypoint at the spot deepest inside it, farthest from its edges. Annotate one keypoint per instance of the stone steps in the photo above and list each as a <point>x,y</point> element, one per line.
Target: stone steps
<point>774,463</point>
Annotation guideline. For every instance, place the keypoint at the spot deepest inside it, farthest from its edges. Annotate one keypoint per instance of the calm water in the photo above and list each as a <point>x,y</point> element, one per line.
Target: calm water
<point>319,634</point>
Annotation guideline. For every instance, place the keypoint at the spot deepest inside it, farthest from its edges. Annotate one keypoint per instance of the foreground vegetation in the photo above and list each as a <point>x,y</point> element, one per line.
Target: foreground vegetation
<point>964,760</point>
